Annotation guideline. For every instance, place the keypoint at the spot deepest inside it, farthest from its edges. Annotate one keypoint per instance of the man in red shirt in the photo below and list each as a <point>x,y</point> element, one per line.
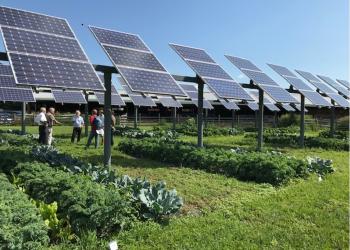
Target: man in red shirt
<point>93,133</point>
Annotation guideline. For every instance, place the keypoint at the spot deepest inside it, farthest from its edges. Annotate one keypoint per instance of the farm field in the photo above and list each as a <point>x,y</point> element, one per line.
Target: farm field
<point>222,212</point>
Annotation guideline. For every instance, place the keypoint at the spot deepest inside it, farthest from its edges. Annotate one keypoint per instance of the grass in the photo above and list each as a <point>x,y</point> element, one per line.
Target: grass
<point>224,213</point>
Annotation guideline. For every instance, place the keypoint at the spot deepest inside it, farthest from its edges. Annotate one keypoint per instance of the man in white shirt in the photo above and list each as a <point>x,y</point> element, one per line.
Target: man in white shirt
<point>78,123</point>
<point>41,120</point>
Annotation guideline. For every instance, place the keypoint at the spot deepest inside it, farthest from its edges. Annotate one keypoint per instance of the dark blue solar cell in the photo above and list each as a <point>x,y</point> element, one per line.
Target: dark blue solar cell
<point>229,105</point>
<point>7,81</point>
<point>116,99</point>
<point>118,38</point>
<point>335,85</point>
<point>242,63</point>
<point>227,89</point>
<point>34,21</point>
<point>192,53</point>
<point>16,95</point>
<point>169,102</point>
<point>5,70</point>
<point>308,76</point>
<point>42,44</point>
<point>150,82</point>
<point>297,83</point>
<point>61,96</point>
<point>283,71</point>
<point>315,98</point>
<point>209,70</point>
<point>133,58</point>
<point>259,77</point>
<point>32,70</point>
<point>278,94</point>
<point>341,101</point>
<point>142,101</point>
<point>188,87</point>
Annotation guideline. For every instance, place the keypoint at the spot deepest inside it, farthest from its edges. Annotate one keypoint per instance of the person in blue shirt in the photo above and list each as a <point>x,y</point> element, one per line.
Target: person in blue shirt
<point>78,123</point>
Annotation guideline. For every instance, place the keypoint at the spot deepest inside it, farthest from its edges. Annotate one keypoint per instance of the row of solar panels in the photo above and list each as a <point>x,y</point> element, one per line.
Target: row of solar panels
<point>43,51</point>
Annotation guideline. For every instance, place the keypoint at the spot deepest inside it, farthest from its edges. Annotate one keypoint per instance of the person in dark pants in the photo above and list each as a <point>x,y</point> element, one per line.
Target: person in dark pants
<point>93,134</point>
<point>41,120</point>
<point>78,123</point>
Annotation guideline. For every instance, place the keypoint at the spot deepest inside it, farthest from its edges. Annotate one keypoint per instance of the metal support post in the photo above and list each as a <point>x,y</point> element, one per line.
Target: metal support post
<point>136,110</point>
<point>23,118</point>
<point>86,117</point>
<point>200,112</point>
<point>107,120</point>
<point>302,121</point>
<point>233,118</point>
<point>332,120</point>
<point>261,119</point>
<point>174,118</point>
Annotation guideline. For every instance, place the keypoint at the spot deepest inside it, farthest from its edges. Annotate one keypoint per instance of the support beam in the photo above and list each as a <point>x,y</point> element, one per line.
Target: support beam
<point>200,112</point>
<point>332,120</point>
<point>86,117</point>
<point>302,121</point>
<point>136,111</point>
<point>233,118</point>
<point>23,118</point>
<point>174,118</point>
<point>261,120</point>
<point>108,120</point>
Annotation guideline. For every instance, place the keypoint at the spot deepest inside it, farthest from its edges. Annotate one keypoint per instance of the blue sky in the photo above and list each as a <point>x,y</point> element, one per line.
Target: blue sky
<point>301,34</point>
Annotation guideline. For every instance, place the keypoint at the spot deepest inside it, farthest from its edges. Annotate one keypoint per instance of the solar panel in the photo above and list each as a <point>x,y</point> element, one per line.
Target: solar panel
<point>271,107</point>
<point>287,107</point>
<point>324,88</point>
<point>16,95</point>
<point>253,106</point>
<point>116,100</point>
<point>140,69</point>
<point>118,38</point>
<point>193,54</point>
<point>345,83</point>
<point>278,94</point>
<point>43,51</point>
<point>259,77</point>
<point>7,81</point>
<point>211,73</point>
<point>142,101</point>
<point>206,104</point>
<point>230,105</point>
<point>315,98</point>
<point>169,102</point>
<point>228,89</point>
<point>33,21</point>
<point>335,85</point>
<point>263,81</point>
<point>61,96</point>
<point>5,70</point>
<point>298,107</point>
<point>242,63</point>
<point>308,76</point>
<point>341,101</point>
<point>283,71</point>
<point>297,83</point>
<point>188,87</point>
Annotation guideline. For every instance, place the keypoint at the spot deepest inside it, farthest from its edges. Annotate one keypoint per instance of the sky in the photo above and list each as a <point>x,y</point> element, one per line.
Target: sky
<point>311,35</point>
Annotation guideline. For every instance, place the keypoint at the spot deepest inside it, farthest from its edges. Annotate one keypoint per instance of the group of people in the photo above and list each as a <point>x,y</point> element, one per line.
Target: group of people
<point>46,120</point>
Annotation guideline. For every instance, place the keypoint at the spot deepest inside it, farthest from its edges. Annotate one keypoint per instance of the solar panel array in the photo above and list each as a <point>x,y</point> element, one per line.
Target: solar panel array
<point>253,106</point>
<point>335,85</point>
<point>298,107</point>
<point>192,92</point>
<point>135,62</point>
<point>267,103</point>
<point>324,88</point>
<point>74,97</point>
<point>263,81</point>
<point>288,107</point>
<point>314,97</point>
<point>211,73</point>
<point>345,83</point>
<point>43,51</point>
<point>116,100</point>
<point>137,98</point>
<point>169,102</point>
<point>9,90</point>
